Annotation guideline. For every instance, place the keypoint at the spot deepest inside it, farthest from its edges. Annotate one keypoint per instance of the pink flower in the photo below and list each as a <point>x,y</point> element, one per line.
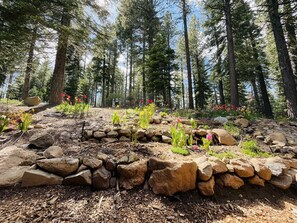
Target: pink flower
<point>178,120</point>
<point>209,136</point>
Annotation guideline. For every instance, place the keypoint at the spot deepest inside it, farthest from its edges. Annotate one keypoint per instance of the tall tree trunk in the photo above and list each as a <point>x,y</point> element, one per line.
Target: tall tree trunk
<point>267,110</point>
<point>131,71</point>
<point>190,93</point>
<point>283,58</point>
<point>183,86</point>
<point>291,33</point>
<point>143,69</point>
<point>231,55</point>
<point>57,86</point>
<point>103,83</point>
<point>256,94</point>
<point>26,86</point>
<point>114,68</point>
<point>126,78</point>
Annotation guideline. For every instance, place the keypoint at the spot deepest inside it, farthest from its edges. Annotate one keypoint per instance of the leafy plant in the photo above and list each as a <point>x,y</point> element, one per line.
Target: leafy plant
<point>194,123</point>
<point>251,149</point>
<point>79,108</point>
<point>228,155</point>
<point>4,121</point>
<point>24,121</point>
<point>232,129</point>
<point>116,118</point>
<point>163,114</point>
<point>144,119</point>
<point>180,151</point>
<point>205,127</point>
<point>206,143</point>
<point>179,140</point>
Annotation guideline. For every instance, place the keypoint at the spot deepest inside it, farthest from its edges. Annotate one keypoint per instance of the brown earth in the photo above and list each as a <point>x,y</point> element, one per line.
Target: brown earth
<point>76,204</point>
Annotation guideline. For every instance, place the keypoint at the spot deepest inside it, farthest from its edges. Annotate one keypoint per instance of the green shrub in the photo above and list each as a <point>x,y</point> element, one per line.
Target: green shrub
<point>251,149</point>
<point>179,140</point>
<point>194,123</point>
<point>163,114</point>
<point>228,155</point>
<point>232,129</point>
<point>180,151</point>
<point>206,143</point>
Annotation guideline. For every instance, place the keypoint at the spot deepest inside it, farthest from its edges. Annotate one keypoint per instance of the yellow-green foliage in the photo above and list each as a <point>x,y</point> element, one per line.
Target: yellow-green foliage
<point>251,148</point>
<point>163,114</point>
<point>146,115</point>
<point>228,155</point>
<point>232,129</point>
<point>180,151</point>
<point>4,121</point>
<point>179,140</point>
<point>24,121</point>
<point>116,118</point>
<point>194,123</point>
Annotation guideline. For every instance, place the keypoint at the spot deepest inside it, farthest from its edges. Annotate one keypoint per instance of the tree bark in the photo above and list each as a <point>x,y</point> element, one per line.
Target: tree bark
<point>267,110</point>
<point>283,59</point>
<point>29,68</point>
<point>291,33</point>
<point>188,60</point>
<point>183,86</point>
<point>143,70</point>
<point>256,94</point>
<point>231,55</point>
<point>57,86</point>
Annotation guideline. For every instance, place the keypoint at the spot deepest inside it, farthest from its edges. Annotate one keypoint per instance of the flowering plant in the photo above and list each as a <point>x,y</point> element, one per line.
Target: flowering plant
<point>207,141</point>
<point>24,121</point>
<point>4,121</point>
<point>80,106</point>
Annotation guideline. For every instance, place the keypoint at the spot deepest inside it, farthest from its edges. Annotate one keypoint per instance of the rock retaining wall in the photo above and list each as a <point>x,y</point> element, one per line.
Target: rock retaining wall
<point>165,177</point>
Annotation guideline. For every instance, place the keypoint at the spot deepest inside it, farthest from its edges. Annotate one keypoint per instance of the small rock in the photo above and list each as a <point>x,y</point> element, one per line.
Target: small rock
<point>224,137</point>
<point>229,180</point>
<point>101,178</point>
<point>242,167</point>
<point>242,122</point>
<point>276,138</point>
<point>110,165</point>
<point>82,168</point>
<point>87,134</point>
<point>60,166</point>
<point>256,180</point>
<point>53,152</point>
<point>42,140</point>
<point>260,169</point>
<point>125,132</point>
<point>124,139</point>
<point>99,135</point>
<point>109,140</point>
<point>207,188</point>
<point>32,101</point>
<point>157,120</point>
<point>283,182</point>
<point>221,120</point>
<point>166,139</point>
<point>92,162</point>
<point>204,171</point>
<point>102,156</point>
<point>32,178</point>
<point>133,174</point>
<point>83,178</point>
<point>217,165</point>
<point>140,133</point>
<point>112,134</point>
<point>276,166</point>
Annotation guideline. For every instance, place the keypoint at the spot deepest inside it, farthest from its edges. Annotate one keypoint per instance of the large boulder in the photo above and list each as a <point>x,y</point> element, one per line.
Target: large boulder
<point>132,175</point>
<point>224,137</point>
<point>283,182</point>
<point>42,140</point>
<point>32,101</point>
<point>218,166</point>
<point>32,178</point>
<point>83,178</point>
<point>60,166</point>
<point>242,167</point>
<point>14,162</point>
<point>180,177</point>
<point>260,169</point>
<point>207,188</point>
<point>101,178</point>
<point>53,152</point>
<point>229,180</point>
<point>158,164</point>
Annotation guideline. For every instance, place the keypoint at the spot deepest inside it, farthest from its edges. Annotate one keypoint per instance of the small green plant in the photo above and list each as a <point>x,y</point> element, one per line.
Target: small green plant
<point>24,121</point>
<point>228,155</point>
<point>179,140</point>
<point>206,143</point>
<point>205,127</point>
<point>163,114</point>
<point>194,123</point>
<point>144,119</point>
<point>180,151</point>
<point>4,121</point>
<point>232,129</point>
<point>116,118</point>
<point>79,108</point>
<point>251,149</point>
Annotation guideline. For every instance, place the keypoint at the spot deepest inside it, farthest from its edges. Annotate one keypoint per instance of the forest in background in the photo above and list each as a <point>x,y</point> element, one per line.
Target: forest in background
<point>242,53</point>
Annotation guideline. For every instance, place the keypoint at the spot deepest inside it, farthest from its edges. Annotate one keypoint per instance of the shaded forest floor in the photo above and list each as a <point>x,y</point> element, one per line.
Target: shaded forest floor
<point>77,204</point>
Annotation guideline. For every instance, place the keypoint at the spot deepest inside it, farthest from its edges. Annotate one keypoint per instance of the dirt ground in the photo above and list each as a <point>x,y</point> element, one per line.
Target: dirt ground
<point>77,204</point>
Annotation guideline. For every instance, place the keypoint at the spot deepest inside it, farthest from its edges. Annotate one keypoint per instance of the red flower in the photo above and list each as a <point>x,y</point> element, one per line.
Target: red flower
<point>62,95</point>
<point>77,99</point>
<point>85,96</point>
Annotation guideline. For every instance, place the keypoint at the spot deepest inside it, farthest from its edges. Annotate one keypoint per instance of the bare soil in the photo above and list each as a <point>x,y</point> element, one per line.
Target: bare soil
<point>77,204</point>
